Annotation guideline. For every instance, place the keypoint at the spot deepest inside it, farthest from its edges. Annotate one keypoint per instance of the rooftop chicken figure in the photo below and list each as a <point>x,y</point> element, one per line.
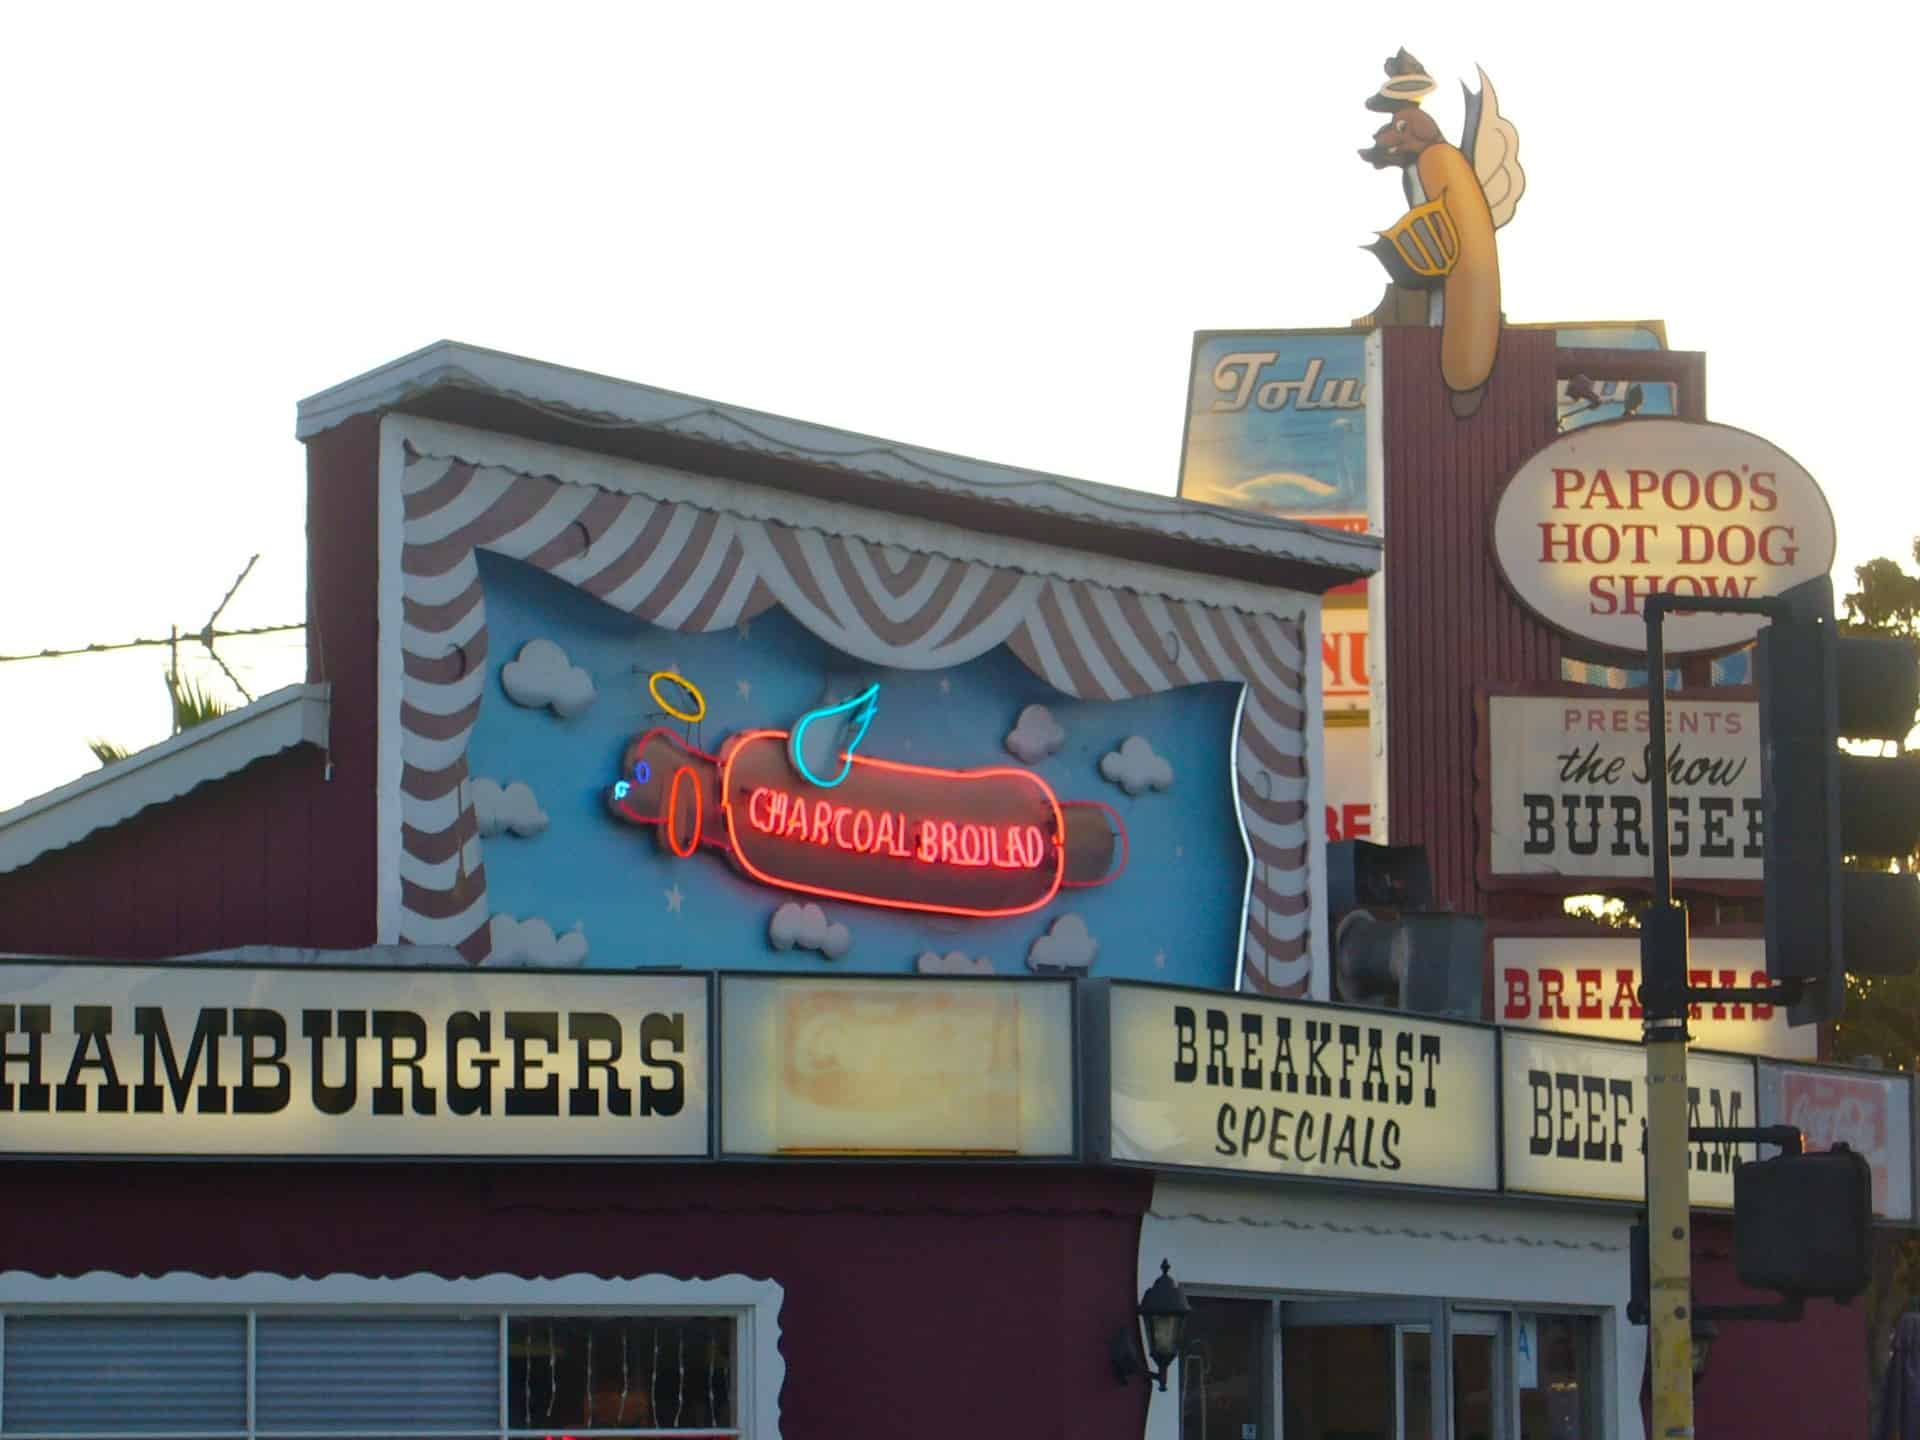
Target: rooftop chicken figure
<point>1440,255</point>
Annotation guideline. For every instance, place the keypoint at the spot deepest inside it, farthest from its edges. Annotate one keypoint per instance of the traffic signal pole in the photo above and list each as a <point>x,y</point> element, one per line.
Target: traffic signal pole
<point>1664,1000</point>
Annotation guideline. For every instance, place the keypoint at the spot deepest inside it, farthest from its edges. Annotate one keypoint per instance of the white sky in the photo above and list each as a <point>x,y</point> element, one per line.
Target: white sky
<point>990,229</point>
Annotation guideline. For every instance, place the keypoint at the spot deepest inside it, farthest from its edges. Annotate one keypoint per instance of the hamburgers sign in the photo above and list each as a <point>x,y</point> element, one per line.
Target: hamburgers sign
<point>1607,515</point>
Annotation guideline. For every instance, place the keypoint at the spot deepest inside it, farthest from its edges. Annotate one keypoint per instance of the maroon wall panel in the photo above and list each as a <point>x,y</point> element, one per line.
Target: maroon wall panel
<point>1808,1378</point>
<point>225,864</point>
<point>1451,624</point>
<point>343,589</point>
<point>942,1303</point>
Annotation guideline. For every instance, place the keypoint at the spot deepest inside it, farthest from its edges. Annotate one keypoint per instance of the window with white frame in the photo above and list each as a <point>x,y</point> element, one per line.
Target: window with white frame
<point>387,1371</point>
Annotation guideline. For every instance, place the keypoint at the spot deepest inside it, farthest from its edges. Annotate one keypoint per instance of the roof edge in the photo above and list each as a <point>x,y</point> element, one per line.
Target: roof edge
<point>589,402</point>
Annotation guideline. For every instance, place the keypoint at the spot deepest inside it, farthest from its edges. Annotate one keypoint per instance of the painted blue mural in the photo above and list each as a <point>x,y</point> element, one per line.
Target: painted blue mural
<point>555,721</point>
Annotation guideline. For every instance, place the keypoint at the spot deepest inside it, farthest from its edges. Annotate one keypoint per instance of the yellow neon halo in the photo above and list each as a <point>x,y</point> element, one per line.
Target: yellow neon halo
<point>699,700</point>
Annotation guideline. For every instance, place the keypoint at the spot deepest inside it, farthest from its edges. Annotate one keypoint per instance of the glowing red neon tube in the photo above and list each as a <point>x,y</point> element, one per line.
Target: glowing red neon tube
<point>987,842</point>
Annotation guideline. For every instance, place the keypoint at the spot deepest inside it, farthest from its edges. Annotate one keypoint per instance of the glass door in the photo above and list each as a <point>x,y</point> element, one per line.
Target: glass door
<point>1361,1370</point>
<point>1364,1370</point>
<point>1482,1390</point>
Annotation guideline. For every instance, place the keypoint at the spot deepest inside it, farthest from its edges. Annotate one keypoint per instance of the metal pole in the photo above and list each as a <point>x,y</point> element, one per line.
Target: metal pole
<point>1663,998</point>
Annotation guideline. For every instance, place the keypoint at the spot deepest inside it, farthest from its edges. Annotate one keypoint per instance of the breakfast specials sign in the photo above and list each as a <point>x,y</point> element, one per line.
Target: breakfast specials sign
<point>1272,1087</point>
<point>1565,788</point>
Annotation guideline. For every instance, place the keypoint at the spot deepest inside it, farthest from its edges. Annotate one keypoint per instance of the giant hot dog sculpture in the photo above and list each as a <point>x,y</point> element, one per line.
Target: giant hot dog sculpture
<point>984,842</point>
<point>1457,198</point>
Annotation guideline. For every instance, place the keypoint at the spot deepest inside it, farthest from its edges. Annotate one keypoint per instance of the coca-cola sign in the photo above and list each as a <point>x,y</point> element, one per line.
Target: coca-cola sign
<point>1608,515</point>
<point>1866,1112</point>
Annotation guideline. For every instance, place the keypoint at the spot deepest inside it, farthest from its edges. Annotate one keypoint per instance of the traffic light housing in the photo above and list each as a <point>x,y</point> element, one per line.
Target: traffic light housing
<point>1818,686</point>
<point>1803,1224</point>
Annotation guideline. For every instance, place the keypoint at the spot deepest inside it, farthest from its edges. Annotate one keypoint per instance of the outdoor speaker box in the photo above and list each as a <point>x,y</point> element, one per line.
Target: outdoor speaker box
<point>1427,962</point>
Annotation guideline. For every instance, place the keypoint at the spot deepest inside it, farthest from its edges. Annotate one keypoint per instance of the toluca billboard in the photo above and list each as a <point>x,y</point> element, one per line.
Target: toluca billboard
<point>1563,789</point>
<point>1576,1114</point>
<point>1276,422</point>
<point>210,1060</point>
<point>1590,985</point>
<point>829,1066</point>
<point>1270,1087</point>
<point>1607,515</point>
<point>1276,419</point>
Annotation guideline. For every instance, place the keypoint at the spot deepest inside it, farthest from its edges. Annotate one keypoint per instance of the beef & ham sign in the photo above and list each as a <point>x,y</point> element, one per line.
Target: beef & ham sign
<point>1606,515</point>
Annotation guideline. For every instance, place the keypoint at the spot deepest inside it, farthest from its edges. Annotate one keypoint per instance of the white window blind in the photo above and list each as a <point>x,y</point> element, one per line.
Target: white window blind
<point>365,1373</point>
<point>377,1375</point>
<point>130,1375</point>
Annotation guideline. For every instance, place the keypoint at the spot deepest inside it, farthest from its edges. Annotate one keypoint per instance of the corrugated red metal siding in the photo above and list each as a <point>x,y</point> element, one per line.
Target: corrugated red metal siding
<point>343,630</point>
<point>1451,624</point>
<point>276,854</point>
<point>938,1302</point>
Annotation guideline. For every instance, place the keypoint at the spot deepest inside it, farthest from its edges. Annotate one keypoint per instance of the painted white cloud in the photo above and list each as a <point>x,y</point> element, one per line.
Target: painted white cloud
<point>532,942</point>
<point>954,962</point>
<point>542,675</point>
<point>1135,767</point>
<point>805,927</point>
<point>1035,735</point>
<point>512,808</point>
<point>1064,948</point>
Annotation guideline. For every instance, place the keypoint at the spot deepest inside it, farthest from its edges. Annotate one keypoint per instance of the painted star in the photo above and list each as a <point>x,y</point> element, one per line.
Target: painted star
<point>1159,959</point>
<point>674,897</point>
<point>745,687</point>
<point>946,686</point>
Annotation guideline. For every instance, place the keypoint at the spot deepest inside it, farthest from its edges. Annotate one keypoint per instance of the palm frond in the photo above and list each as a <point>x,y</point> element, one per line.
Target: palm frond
<point>107,752</point>
<point>193,704</point>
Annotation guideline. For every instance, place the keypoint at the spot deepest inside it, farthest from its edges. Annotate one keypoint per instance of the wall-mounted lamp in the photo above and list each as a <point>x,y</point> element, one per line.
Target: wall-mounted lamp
<point>1163,1320</point>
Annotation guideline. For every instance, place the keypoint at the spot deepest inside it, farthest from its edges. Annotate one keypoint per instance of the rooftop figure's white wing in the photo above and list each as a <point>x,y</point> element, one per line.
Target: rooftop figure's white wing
<point>1492,145</point>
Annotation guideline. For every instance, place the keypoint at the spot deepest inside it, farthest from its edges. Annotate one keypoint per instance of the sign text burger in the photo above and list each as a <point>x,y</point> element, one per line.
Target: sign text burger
<point>1608,515</point>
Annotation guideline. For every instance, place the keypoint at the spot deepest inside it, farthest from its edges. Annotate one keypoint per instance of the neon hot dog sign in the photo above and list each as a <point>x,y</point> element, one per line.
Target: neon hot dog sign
<point>987,842</point>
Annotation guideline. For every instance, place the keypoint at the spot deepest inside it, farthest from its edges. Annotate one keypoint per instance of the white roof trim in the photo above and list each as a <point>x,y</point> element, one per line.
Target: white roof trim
<point>118,792</point>
<point>590,399</point>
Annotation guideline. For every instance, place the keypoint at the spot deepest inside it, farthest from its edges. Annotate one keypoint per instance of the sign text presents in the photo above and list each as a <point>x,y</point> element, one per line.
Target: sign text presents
<point>1607,515</point>
<point>215,1061</point>
<point>1590,985</point>
<point>896,1067</point>
<point>1568,784</point>
<point>1233,1084</point>
<point>1576,1118</point>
